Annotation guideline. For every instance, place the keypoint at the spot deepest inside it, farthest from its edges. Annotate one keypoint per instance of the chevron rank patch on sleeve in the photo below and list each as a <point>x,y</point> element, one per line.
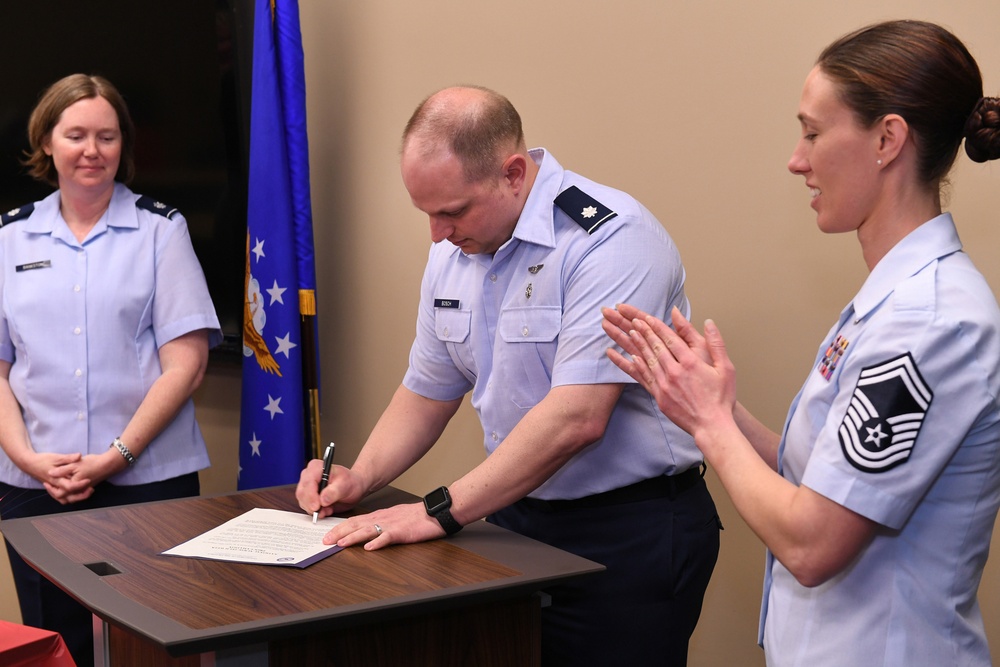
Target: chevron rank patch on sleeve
<point>885,415</point>
<point>583,209</point>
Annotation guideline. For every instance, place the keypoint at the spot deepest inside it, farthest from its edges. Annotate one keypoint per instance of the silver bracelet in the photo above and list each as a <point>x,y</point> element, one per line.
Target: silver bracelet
<point>123,450</point>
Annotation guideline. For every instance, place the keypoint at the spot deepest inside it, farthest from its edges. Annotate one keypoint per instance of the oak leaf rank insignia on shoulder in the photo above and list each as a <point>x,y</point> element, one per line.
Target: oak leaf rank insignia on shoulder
<point>583,209</point>
<point>16,214</point>
<point>155,206</point>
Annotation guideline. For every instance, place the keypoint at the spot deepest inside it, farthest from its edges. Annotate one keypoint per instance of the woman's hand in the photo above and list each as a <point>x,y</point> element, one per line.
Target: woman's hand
<point>56,473</point>
<point>75,480</point>
<point>41,466</point>
<point>620,320</point>
<point>690,375</point>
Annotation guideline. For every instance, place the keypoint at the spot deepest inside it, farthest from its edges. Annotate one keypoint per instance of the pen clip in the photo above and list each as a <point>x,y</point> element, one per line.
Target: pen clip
<point>327,464</point>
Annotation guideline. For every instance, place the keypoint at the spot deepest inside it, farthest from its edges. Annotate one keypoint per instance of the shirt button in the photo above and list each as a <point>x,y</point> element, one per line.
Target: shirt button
<point>76,288</point>
<point>77,331</point>
<point>79,416</point>
<point>494,436</point>
<point>524,331</point>
<point>78,372</point>
<point>493,277</point>
<point>446,331</point>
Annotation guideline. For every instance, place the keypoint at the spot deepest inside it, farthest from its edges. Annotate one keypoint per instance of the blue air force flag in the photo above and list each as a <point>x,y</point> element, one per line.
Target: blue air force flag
<point>280,271</point>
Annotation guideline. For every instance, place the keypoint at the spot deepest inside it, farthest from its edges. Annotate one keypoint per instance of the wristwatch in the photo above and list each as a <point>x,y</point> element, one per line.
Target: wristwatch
<point>438,504</point>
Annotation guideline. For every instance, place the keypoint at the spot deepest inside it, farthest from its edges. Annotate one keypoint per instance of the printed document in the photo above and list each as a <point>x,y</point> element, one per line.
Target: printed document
<point>265,537</point>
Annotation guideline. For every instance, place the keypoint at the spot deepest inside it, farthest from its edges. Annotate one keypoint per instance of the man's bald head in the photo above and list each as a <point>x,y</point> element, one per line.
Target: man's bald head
<point>477,125</point>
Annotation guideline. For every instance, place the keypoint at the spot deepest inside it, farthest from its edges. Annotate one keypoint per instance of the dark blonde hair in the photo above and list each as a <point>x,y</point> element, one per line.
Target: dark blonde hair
<point>56,99</point>
<point>925,74</point>
<point>478,134</point>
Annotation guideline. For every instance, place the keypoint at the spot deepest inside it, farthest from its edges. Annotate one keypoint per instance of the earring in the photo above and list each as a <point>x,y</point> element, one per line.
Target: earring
<point>878,162</point>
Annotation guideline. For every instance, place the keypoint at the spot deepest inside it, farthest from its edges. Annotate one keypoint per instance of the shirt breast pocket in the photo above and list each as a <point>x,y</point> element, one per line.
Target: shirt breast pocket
<point>453,328</point>
<point>530,336</point>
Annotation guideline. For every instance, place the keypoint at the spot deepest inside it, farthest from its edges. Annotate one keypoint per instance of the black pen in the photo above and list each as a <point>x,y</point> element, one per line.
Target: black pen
<point>325,479</point>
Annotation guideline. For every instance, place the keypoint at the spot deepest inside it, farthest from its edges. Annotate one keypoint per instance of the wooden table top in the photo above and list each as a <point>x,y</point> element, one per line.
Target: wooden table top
<point>110,560</point>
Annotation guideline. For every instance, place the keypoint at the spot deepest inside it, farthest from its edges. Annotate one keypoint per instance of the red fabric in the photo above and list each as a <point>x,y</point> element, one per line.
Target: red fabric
<point>21,646</point>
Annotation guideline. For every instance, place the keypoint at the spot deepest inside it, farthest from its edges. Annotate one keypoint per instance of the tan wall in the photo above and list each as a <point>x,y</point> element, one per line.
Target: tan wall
<point>690,107</point>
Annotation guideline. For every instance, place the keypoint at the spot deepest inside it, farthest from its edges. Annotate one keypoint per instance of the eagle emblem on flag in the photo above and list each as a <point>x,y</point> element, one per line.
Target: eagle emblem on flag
<point>885,414</point>
<point>254,317</point>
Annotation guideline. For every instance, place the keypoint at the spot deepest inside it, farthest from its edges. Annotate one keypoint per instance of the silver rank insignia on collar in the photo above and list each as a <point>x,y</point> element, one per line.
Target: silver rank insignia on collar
<point>535,269</point>
<point>527,291</point>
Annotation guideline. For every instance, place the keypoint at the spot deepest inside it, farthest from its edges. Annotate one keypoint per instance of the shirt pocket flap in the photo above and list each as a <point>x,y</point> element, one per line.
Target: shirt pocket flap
<point>452,326</point>
<point>539,324</point>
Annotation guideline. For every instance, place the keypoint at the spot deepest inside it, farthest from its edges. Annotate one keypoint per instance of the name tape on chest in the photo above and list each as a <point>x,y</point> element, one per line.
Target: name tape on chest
<point>43,264</point>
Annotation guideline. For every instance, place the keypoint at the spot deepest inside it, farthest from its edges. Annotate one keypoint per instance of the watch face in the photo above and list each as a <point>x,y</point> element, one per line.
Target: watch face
<point>437,500</point>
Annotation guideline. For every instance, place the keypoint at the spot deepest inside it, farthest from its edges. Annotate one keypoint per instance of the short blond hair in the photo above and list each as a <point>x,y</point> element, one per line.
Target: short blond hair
<point>479,131</point>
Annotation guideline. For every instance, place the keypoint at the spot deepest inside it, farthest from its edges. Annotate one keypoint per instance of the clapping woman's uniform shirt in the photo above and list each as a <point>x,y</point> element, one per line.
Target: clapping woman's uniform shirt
<point>899,421</point>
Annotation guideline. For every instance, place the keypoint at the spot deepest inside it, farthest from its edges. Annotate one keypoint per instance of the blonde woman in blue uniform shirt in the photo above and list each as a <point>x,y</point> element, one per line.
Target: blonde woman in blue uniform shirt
<point>877,503</point>
<point>105,326</point>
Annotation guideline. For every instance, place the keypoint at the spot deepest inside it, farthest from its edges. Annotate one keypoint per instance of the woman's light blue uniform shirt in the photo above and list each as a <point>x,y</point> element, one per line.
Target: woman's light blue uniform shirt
<point>513,325</point>
<point>82,324</point>
<point>909,598</point>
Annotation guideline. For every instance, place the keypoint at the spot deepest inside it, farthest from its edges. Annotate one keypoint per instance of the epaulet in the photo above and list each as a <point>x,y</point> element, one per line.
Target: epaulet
<point>15,214</point>
<point>156,206</point>
<point>583,209</point>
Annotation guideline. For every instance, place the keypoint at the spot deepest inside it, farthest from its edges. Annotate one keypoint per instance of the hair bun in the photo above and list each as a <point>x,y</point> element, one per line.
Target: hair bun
<point>982,131</point>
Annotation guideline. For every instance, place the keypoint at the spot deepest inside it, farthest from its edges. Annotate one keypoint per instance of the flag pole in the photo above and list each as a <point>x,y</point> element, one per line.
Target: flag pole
<point>310,381</point>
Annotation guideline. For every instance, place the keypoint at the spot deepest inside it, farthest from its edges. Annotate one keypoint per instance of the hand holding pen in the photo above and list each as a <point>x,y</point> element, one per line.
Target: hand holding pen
<point>325,479</point>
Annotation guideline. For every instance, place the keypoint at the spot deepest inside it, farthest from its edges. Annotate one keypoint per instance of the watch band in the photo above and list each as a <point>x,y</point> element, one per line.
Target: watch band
<point>123,450</point>
<point>447,522</point>
<point>438,505</point>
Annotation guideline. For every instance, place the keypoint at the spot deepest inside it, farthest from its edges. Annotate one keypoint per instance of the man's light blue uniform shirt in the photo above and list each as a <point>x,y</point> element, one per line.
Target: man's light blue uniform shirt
<point>513,325</point>
<point>909,598</point>
<point>82,324</point>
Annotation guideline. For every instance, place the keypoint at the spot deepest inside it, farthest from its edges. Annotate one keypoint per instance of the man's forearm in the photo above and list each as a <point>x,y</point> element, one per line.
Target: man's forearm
<point>568,419</point>
<point>407,429</point>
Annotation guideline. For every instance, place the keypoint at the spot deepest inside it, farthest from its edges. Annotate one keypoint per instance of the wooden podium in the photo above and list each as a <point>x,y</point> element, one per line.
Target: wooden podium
<point>467,600</point>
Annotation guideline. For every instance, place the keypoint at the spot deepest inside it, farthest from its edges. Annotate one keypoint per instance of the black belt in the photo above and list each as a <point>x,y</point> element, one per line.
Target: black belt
<point>664,486</point>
